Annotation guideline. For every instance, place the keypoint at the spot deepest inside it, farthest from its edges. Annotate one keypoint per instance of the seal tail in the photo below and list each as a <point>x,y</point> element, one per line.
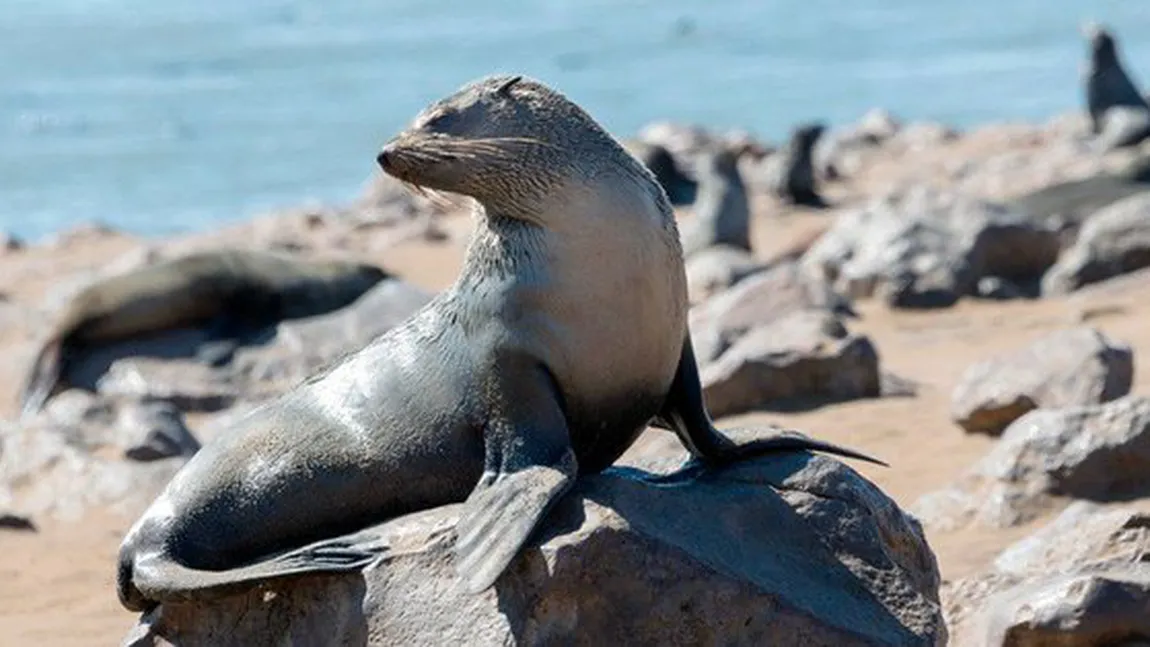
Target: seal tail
<point>685,413</point>
<point>43,378</point>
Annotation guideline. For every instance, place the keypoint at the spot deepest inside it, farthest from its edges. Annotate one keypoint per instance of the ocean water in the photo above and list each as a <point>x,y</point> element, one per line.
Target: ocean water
<point>162,117</point>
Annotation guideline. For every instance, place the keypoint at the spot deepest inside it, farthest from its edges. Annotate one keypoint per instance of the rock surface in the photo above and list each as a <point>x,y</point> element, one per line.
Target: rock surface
<point>1096,452</point>
<point>1084,579</point>
<point>802,550</point>
<point>928,249</point>
<point>1114,241</point>
<point>77,456</point>
<point>757,300</point>
<point>1077,366</point>
<point>716,269</point>
<point>803,358</point>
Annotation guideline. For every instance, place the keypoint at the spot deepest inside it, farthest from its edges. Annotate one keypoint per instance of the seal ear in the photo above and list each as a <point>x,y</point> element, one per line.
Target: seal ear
<point>505,87</point>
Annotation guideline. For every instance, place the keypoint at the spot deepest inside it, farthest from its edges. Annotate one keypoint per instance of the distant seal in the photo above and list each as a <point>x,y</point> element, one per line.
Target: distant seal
<point>1066,205</point>
<point>722,215</point>
<point>792,175</point>
<point>1107,84</point>
<point>681,189</point>
<point>232,291</point>
<point>563,336</point>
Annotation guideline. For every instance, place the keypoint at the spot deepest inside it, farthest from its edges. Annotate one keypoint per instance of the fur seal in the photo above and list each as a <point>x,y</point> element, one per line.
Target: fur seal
<point>231,291</point>
<point>722,214</point>
<point>564,334</point>
<point>792,176</point>
<point>1066,205</point>
<point>1107,84</point>
<point>681,189</point>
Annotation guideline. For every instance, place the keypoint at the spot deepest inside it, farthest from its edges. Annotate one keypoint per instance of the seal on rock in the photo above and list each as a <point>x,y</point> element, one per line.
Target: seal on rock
<point>563,336</point>
<point>1066,205</point>
<point>1107,84</point>
<point>722,215</point>
<point>231,291</point>
<point>792,173</point>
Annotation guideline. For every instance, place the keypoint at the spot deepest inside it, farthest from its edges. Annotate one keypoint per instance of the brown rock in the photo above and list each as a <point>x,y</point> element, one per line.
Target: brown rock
<point>1070,367</point>
<point>1098,452</point>
<point>806,357</point>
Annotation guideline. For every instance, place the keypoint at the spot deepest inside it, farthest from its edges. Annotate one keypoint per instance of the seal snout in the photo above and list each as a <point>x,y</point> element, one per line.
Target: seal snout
<point>384,158</point>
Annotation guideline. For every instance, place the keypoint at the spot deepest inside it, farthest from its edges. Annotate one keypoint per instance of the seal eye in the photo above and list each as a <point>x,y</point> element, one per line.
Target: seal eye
<point>438,120</point>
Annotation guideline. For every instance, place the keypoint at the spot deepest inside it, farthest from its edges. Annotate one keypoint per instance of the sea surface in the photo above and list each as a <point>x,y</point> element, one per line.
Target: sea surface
<point>164,117</point>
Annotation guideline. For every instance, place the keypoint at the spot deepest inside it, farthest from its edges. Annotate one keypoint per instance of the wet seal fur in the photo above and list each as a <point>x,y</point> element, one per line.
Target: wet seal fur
<point>564,335</point>
<point>232,291</point>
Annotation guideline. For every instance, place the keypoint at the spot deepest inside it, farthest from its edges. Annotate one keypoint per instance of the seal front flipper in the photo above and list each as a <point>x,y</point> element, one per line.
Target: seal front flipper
<point>685,413</point>
<point>528,465</point>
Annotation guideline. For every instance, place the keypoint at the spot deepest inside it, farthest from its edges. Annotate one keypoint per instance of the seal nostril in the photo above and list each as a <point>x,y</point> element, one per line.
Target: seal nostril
<point>382,159</point>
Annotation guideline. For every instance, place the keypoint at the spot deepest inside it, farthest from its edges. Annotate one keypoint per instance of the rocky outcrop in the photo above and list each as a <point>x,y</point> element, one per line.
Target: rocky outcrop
<point>1097,452</point>
<point>1084,580</point>
<point>804,358</point>
<point>1114,241</point>
<point>929,249</point>
<point>786,549</point>
<point>1077,366</point>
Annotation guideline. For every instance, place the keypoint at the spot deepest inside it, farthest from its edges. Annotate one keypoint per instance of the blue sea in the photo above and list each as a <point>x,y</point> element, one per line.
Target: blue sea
<point>163,117</point>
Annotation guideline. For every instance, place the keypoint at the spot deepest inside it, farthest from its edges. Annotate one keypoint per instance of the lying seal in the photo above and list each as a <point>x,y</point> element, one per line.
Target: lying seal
<point>564,334</point>
<point>792,176</point>
<point>1107,84</point>
<point>1066,205</point>
<point>231,291</point>
<point>680,188</point>
<point>722,215</point>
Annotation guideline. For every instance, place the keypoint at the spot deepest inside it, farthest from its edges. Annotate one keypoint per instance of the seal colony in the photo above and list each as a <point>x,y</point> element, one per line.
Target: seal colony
<point>564,335</point>
<point>232,291</point>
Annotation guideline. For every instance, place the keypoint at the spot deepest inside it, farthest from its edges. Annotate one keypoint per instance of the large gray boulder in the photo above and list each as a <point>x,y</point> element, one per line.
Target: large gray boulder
<point>1097,452</point>
<point>1076,366</point>
<point>1082,580</point>
<point>929,249</point>
<point>788,549</point>
<point>807,357</point>
<point>1114,241</point>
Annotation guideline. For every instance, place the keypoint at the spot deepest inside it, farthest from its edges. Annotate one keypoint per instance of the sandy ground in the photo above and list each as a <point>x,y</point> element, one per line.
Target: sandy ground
<point>56,585</point>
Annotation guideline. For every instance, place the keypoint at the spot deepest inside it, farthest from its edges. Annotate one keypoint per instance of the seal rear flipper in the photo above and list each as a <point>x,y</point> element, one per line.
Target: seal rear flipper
<point>685,413</point>
<point>157,578</point>
<point>528,464</point>
<point>42,378</point>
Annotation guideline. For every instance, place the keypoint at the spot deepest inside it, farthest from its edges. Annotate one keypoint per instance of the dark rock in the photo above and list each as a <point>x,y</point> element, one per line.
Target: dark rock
<point>158,431</point>
<point>10,521</point>
<point>1077,366</point>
